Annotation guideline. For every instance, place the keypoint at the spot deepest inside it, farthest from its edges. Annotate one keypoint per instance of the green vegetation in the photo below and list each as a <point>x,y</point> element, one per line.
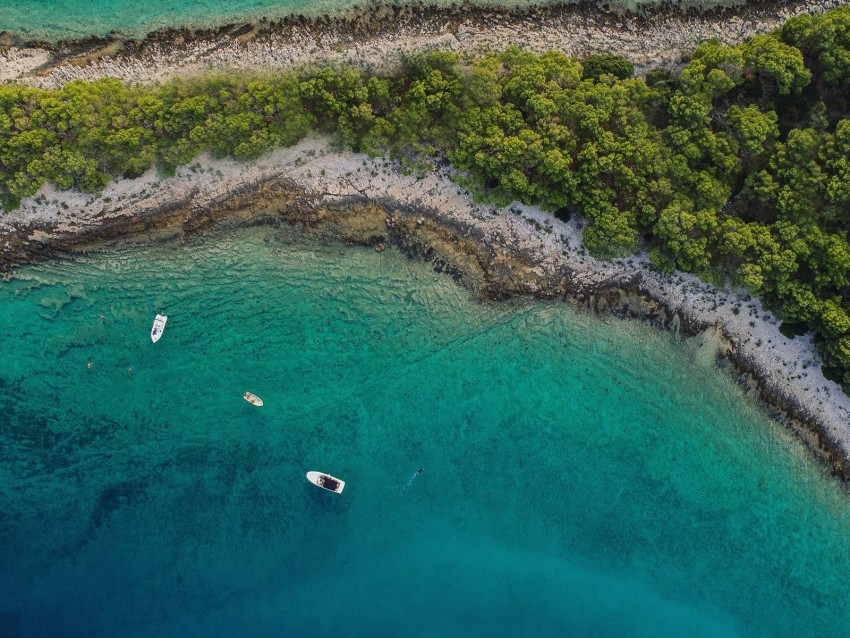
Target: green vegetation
<point>736,167</point>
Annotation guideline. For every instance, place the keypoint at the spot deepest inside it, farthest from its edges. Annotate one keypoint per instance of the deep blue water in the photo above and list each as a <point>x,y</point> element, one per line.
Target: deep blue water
<point>583,476</point>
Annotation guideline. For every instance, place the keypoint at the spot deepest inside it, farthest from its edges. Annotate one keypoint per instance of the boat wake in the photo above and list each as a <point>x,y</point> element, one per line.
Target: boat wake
<point>403,488</point>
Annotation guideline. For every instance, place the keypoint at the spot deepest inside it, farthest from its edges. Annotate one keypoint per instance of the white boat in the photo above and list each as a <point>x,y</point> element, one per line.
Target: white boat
<point>158,327</point>
<point>326,482</point>
<point>253,399</point>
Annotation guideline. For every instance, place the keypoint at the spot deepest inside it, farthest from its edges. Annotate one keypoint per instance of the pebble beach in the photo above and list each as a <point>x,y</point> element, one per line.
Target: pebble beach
<point>379,37</point>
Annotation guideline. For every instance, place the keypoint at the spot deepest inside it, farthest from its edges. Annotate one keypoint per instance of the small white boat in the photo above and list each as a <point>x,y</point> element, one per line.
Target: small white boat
<point>253,399</point>
<point>158,327</point>
<point>326,482</point>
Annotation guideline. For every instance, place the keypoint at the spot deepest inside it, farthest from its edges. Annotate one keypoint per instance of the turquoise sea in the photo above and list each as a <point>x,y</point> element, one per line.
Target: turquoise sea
<point>582,476</point>
<point>53,20</point>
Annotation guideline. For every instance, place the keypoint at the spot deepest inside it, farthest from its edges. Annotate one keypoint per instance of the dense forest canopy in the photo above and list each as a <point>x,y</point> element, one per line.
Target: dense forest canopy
<point>735,167</point>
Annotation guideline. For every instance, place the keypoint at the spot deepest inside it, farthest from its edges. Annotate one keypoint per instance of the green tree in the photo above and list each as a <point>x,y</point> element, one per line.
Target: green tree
<point>825,41</point>
<point>778,65</point>
<point>755,130</point>
<point>595,66</point>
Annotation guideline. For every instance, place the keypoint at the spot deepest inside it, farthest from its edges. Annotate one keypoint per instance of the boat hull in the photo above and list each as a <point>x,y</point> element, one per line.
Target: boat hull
<point>326,482</point>
<point>158,327</point>
<point>253,399</point>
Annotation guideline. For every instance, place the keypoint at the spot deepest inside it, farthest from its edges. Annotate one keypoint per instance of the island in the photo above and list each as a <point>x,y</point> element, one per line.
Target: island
<point>686,168</point>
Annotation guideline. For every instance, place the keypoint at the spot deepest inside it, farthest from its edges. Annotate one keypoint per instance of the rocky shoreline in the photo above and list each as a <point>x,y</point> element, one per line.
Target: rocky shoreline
<point>379,35</point>
<point>496,253</point>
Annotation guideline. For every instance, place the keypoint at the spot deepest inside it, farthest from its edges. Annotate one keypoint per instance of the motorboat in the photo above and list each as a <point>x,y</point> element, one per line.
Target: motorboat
<point>326,482</point>
<point>253,399</point>
<point>158,327</point>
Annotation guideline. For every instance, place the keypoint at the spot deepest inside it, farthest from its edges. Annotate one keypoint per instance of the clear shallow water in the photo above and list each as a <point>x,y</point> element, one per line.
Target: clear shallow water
<point>582,476</point>
<point>68,19</point>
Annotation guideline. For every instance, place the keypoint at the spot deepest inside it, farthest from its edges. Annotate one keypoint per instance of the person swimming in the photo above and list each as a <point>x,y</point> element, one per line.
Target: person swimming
<point>401,489</point>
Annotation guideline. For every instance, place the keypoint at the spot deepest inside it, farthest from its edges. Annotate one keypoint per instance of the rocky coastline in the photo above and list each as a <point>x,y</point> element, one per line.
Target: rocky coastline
<point>343,197</point>
<point>496,253</point>
<point>377,36</point>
